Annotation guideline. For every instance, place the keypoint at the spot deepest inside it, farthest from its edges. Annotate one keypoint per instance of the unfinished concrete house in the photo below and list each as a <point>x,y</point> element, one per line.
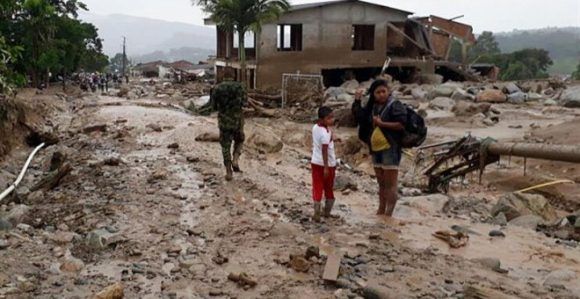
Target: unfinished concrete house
<point>336,39</point>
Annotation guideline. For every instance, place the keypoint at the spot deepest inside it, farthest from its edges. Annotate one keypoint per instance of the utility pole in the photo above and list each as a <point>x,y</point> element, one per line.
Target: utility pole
<point>124,57</point>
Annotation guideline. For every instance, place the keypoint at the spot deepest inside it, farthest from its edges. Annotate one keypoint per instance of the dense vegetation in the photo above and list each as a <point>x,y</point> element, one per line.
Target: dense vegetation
<point>42,39</point>
<point>563,44</point>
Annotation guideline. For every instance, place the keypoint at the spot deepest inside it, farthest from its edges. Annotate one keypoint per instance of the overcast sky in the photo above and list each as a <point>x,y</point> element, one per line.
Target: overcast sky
<point>494,15</point>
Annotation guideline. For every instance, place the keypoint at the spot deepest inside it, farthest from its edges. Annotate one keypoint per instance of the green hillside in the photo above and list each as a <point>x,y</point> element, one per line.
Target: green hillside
<point>562,43</point>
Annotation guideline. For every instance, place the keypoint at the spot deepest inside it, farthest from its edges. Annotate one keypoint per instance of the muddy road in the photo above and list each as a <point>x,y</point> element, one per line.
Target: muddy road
<point>145,210</point>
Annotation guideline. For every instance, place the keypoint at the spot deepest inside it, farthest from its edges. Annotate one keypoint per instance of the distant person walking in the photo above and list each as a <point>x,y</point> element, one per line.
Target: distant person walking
<point>228,98</point>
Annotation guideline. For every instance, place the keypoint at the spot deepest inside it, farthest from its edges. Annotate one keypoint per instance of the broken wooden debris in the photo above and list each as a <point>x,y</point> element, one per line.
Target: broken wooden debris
<point>53,179</point>
<point>332,268</point>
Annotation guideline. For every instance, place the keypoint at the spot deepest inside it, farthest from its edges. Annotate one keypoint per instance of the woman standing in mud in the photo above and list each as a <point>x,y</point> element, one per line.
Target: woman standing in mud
<point>381,125</point>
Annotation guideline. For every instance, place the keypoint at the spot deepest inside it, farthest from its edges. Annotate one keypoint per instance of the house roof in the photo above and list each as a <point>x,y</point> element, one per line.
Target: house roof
<point>298,7</point>
<point>327,3</point>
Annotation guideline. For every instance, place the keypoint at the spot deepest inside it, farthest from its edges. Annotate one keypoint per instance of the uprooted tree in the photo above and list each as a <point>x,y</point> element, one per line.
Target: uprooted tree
<point>242,16</point>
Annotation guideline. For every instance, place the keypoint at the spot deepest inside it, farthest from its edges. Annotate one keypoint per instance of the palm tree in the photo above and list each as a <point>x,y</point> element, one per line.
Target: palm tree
<point>242,16</point>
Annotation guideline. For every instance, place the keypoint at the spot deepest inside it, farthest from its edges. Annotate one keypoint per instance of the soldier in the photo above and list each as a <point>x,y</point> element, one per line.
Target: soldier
<point>228,98</point>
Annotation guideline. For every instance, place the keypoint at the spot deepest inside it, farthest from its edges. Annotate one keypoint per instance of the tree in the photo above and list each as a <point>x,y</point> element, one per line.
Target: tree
<point>485,45</point>
<point>116,63</point>
<point>242,16</point>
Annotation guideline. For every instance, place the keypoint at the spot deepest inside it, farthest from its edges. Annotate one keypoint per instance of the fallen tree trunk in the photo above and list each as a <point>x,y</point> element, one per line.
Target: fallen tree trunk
<point>260,110</point>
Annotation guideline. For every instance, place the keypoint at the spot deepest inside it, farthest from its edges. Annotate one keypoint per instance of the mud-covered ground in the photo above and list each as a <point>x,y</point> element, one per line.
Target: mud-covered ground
<point>145,207</point>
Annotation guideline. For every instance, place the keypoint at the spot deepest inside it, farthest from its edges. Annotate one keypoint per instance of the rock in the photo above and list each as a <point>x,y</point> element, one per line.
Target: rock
<point>491,96</point>
<point>462,95</point>
<point>489,262</point>
<point>434,79</point>
<point>62,238</point>
<point>334,92</point>
<point>550,102</point>
<point>4,244</point>
<point>266,142</point>
<point>527,221</point>
<point>410,192</point>
<point>312,251</point>
<point>419,94</point>
<point>72,264</point>
<point>343,182</point>
<point>112,161</point>
<point>463,108</point>
<point>212,136</point>
<point>496,233</point>
<point>299,263</point>
<point>155,127</point>
<point>489,122</point>
<point>442,103</point>
<point>377,292</point>
<point>5,225</point>
<point>174,145</point>
<point>518,98</point>
<point>500,219</point>
<point>514,205</point>
<point>95,128</point>
<point>445,90</point>
<point>101,238</point>
<point>559,277</point>
<point>532,96</point>
<point>114,291</point>
<point>350,86</point>
<point>345,98</point>
<point>571,97</point>
<point>242,279</point>
<point>17,214</point>
<point>511,88</point>
<point>123,91</point>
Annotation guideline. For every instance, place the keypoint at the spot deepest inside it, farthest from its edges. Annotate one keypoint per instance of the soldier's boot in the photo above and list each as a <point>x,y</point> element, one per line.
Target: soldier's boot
<point>317,207</point>
<point>328,208</point>
<point>229,172</point>
<point>236,162</point>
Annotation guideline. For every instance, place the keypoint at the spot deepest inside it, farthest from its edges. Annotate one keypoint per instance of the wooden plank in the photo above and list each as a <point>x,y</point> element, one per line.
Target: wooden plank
<point>402,33</point>
<point>332,267</point>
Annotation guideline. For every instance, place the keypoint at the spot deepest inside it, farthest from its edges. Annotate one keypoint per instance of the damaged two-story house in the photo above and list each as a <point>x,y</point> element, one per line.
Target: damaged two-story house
<point>331,39</point>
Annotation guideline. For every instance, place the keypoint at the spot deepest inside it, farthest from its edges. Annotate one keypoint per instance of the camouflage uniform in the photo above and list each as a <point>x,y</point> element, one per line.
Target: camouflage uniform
<point>228,98</point>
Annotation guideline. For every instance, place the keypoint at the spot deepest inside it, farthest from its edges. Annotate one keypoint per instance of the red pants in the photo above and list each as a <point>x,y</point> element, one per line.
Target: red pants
<point>320,184</point>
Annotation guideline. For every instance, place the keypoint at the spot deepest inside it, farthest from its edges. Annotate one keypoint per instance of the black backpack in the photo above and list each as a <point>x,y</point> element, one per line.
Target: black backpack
<point>415,129</point>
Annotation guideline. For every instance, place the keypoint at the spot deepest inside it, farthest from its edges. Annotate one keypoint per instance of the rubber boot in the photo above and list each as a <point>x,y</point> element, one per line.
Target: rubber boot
<point>229,172</point>
<point>317,207</point>
<point>328,207</point>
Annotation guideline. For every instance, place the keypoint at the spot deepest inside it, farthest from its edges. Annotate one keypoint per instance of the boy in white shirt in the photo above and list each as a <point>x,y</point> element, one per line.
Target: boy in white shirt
<point>323,163</point>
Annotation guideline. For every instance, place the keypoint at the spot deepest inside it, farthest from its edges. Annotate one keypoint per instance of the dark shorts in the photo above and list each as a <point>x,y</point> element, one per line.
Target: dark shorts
<point>388,159</point>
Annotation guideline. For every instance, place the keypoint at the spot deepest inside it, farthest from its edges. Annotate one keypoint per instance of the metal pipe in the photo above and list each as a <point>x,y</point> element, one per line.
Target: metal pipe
<point>563,153</point>
<point>22,172</point>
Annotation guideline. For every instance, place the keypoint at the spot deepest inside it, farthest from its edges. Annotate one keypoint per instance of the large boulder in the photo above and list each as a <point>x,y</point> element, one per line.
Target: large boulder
<point>266,141</point>
<point>350,86</point>
<point>446,90</point>
<point>462,95</point>
<point>571,97</point>
<point>419,93</point>
<point>17,214</point>
<point>491,96</point>
<point>511,88</point>
<point>442,103</point>
<point>514,205</point>
<point>527,221</point>
<point>518,97</point>
<point>463,108</point>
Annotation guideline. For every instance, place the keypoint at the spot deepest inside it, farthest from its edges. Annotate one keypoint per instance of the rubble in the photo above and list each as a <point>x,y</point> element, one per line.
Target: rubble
<point>514,205</point>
